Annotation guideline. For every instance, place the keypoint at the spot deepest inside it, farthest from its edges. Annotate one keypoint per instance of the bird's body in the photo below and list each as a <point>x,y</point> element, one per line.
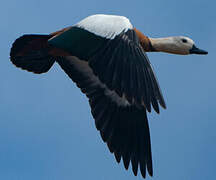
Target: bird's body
<point>105,56</point>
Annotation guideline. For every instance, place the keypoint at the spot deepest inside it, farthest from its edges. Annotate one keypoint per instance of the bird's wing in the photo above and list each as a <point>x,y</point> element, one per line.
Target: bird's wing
<point>122,125</point>
<point>124,67</point>
<point>119,62</point>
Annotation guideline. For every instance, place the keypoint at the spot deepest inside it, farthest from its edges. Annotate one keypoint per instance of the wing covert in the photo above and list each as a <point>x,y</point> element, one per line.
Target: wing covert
<point>124,67</point>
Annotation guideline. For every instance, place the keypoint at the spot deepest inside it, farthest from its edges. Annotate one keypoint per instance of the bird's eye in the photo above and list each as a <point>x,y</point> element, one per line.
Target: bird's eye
<point>184,40</point>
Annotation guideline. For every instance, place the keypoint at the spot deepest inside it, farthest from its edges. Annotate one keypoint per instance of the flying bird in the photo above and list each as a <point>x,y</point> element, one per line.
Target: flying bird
<point>106,57</point>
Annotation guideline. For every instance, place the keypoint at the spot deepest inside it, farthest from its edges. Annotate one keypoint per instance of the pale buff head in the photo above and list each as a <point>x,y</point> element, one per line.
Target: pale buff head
<point>176,45</point>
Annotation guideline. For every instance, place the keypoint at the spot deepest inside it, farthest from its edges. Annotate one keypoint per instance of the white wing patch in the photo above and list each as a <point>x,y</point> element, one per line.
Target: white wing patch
<point>107,26</point>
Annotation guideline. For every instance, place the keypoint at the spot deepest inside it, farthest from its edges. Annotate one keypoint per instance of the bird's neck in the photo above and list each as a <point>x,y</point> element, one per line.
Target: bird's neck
<point>144,41</point>
<point>156,44</point>
<point>162,44</point>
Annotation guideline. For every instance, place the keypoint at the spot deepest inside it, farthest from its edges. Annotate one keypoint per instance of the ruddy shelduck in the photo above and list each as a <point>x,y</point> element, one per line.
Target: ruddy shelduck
<point>106,57</point>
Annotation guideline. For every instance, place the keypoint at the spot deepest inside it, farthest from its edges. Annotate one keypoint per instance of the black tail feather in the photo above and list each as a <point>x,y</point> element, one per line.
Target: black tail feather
<point>30,52</point>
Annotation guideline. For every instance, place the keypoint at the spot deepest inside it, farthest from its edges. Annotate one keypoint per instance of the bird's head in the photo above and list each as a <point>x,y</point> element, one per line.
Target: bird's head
<point>176,45</point>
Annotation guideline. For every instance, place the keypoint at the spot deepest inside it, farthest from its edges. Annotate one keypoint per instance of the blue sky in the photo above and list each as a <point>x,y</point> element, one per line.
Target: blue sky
<point>46,129</point>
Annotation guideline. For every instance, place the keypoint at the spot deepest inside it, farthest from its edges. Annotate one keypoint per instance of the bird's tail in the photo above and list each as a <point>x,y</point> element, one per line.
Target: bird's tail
<point>31,52</point>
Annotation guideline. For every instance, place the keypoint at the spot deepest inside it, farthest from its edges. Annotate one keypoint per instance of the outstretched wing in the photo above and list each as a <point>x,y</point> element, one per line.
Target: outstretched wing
<point>111,68</point>
<point>122,125</point>
<point>124,67</point>
<point>120,63</point>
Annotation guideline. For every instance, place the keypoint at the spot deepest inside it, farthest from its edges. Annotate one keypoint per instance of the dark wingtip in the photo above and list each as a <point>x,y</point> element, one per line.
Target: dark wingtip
<point>117,157</point>
<point>134,162</point>
<point>162,103</point>
<point>150,171</point>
